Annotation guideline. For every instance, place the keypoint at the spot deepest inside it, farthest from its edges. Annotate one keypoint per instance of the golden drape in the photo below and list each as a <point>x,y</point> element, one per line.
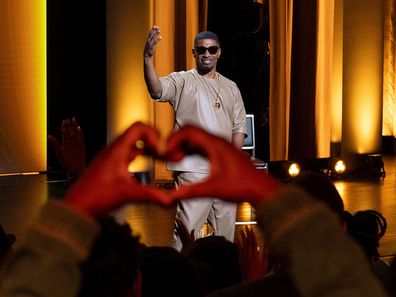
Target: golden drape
<point>128,23</point>
<point>389,100</point>
<point>324,74</point>
<point>281,20</point>
<point>23,86</point>
<point>167,15</point>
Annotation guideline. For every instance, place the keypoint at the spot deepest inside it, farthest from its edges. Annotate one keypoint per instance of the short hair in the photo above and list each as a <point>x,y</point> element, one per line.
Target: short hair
<point>216,262</point>
<point>112,265</point>
<point>320,187</point>
<point>205,35</point>
<point>166,272</point>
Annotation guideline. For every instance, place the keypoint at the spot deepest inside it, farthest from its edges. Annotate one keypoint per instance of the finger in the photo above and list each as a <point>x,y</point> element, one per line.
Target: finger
<point>69,131</point>
<point>63,130</point>
<point>191,140</point>
<point>153,35</point>
<point>54,142</point>
<point>80,134</point>
<point>148,136</point>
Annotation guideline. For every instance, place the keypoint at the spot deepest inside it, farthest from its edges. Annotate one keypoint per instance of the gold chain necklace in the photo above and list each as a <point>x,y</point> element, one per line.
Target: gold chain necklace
<point>217,103</point>
<point>217,100</point>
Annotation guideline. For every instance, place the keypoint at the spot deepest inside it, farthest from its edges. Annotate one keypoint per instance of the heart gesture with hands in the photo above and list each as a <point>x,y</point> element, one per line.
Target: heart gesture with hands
<point>107,184</point>
<point>232,175</point>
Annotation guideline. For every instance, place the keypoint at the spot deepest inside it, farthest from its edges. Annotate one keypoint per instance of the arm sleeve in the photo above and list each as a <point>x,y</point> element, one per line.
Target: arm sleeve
<point>171,87</point>
<point>320,259</point>
<point>239,115</point>
<point>47,263</point>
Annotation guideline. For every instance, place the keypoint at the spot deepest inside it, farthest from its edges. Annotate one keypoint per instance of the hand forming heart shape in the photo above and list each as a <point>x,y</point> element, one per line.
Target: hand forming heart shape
<point>107,185</point>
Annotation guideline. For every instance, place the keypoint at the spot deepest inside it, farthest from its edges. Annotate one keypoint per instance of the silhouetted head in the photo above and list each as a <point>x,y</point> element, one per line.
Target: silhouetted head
<point>320,187</point>
<point>367,227</point>
<point>216,262</point>
<point>6,240</point>
<point>111,268</point>
<point>166,272</point>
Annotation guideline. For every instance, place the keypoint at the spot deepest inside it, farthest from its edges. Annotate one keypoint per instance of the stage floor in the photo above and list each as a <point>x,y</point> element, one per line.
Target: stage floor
<point>22,196</point>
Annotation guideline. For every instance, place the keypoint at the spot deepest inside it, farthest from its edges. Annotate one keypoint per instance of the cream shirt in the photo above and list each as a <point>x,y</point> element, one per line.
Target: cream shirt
<point>193,98</point>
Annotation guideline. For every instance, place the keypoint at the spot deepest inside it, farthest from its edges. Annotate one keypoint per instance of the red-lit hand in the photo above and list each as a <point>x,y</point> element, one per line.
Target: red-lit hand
<point>253,261</point>
<point>71,150</point>
<point>107,184</point>
<point>232,176</point>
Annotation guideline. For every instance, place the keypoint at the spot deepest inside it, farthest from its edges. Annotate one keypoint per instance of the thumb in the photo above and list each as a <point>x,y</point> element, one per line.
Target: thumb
<point>54,142</point>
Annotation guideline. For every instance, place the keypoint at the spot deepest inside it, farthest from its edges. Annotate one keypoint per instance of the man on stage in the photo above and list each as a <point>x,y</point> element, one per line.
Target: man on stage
<point>202,97</point>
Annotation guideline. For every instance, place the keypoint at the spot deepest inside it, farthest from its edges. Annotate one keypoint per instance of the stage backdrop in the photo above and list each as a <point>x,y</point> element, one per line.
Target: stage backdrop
<point>23,130</point>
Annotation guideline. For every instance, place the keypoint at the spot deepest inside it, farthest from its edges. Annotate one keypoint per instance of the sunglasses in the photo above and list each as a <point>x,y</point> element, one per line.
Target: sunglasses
<point>202,50</point>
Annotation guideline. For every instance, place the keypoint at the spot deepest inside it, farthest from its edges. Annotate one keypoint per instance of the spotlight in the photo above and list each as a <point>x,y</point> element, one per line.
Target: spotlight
<point>283,170</point>
<point>336,168</point>
<point>340,166</point>
<point>294,169</point>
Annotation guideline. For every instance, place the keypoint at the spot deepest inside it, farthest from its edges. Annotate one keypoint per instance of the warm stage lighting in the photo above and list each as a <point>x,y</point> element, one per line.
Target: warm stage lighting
<point>294,169</point>
<point>340,166</point>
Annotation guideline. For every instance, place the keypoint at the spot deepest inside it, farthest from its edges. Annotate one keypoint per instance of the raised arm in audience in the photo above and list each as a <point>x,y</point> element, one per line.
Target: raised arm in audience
<point>48,263</point>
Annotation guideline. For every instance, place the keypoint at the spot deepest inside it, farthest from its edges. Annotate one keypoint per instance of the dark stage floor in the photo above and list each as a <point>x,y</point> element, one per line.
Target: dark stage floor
<point>22,196</point>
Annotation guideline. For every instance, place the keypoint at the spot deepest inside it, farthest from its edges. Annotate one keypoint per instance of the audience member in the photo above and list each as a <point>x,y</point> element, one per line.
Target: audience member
<point>319,258</point>
<point>48,263</point>
<point>367,227</point>
<point>216,262</point>
<point>390,283</point>
<point>166,272</point>
<point>70,149</point>
<point>112,265</point>
<point>253,260</point>
<point>320,187</point>
<point>6,242</point>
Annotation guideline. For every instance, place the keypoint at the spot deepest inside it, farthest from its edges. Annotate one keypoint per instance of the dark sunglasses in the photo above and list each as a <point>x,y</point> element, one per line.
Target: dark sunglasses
<point>201,50</point>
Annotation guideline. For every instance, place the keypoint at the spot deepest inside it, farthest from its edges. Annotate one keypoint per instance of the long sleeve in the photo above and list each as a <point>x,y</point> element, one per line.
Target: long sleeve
<point>47,263</point>
<point>320,259</point>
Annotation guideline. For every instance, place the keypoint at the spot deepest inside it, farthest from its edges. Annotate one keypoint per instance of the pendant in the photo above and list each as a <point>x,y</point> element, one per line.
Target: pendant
<point>217,104</point>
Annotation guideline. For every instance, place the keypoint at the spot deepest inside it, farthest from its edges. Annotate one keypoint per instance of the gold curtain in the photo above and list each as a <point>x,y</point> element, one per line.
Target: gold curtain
<point>168,14</point>
<point>281,20</point>
<point>23,86</point>
<point>362,76</point>
<point>203,15</point>
<point>127,98</point>
<point>389,100</point>
<point>324,73</point>
<point>336,80</point>
<point>128,23</point>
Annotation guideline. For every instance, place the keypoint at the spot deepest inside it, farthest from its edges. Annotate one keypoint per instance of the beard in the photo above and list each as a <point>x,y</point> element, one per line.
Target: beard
<point>204,69</point>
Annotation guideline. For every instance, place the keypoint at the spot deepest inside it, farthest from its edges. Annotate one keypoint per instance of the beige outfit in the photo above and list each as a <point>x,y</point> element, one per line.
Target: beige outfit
<point>193,98</point>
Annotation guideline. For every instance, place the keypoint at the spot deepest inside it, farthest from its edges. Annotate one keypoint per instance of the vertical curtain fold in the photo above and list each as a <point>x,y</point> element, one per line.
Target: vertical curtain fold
<point>179,22</point>
<point>324,76</point>
<point>281,21</point>
<point>389,103</point>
